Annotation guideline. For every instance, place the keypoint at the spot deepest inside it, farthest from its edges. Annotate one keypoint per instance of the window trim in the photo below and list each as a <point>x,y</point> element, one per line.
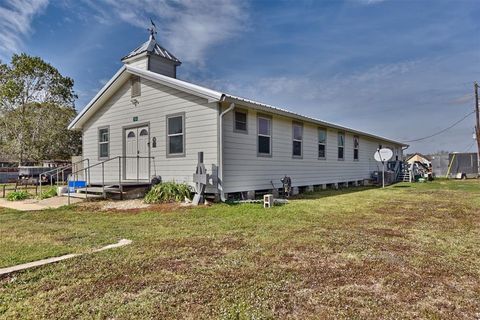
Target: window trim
<point>167,136</point>
<point>269,118</point>
<point>245,111</point>
<point>324,144</point>
<point>298,124</point>
<point>338,145</point>
<point>356,148</point>
<point>135,80</point>
<point>104,142</point>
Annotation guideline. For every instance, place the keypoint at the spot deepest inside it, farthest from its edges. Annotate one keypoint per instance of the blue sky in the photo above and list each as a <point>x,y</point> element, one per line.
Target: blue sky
<point>398,68</point>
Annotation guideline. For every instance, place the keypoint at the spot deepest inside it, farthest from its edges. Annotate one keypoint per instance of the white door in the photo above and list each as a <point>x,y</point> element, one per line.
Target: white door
<point>143,148</point>
<point>136,153</point>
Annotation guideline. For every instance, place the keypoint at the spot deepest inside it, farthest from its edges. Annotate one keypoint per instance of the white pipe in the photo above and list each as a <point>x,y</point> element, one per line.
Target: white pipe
<point>220,160</point>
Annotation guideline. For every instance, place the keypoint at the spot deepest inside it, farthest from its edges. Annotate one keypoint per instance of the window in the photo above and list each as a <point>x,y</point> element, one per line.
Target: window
<point>264,136</point>
<point>103,143</point>
<point>175,135</point>
<point>356,144</point>
<point>240,121</point>
<point>341,145</point>
<point>297,133</point>
<point>322,142</point>
<point>135,87</point>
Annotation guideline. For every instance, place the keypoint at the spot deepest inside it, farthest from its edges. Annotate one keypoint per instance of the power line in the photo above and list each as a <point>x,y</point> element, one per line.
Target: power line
<point>443,130</point>
<point>470,146</point>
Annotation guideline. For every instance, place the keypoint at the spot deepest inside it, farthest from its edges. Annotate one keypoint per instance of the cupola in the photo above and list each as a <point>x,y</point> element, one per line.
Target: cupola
<point>153,57</point>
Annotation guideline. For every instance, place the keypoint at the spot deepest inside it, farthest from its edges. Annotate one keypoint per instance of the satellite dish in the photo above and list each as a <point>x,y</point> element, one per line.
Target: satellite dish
<point>383,155</point>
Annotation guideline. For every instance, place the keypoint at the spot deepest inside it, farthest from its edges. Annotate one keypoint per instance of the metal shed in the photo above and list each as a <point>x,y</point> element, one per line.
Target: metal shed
<point>463,165</point>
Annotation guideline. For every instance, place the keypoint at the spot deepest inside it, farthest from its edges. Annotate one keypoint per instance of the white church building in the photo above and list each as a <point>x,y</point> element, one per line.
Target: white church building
<point>146,123</point>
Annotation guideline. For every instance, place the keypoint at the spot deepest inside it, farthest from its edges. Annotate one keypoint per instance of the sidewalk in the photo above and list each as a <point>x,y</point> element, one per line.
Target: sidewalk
<point>34,204</point>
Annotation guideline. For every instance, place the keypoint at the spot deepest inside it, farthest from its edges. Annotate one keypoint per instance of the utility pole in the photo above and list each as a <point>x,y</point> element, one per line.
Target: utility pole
<point>477,126</point>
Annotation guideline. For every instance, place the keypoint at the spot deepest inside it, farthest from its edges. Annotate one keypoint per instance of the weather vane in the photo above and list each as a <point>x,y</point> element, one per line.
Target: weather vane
<point>152,29</point>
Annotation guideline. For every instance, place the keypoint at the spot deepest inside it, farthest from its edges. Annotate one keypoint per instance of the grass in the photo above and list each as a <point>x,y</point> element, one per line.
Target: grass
<point>408,251</point>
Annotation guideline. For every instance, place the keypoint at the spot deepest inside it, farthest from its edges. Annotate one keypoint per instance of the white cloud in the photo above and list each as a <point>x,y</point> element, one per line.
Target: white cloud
<point>15,23</point>
<point>385,99</point>
<point>370,2</point>
<point>190,27</point>
<point>103,81</point>
<point>364,83</point>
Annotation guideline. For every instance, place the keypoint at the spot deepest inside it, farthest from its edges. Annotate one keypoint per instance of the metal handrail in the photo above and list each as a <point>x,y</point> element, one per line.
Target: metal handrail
<point>58,170</point>
<point>102,163</point>
<point>398,169</point>
<point>63,168</point>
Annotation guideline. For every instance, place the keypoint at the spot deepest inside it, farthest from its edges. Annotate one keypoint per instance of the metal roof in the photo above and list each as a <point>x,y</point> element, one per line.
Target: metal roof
<point>209,94</point>
<point>152,47</point>
<point>288,113</point>
<point>215,96</point>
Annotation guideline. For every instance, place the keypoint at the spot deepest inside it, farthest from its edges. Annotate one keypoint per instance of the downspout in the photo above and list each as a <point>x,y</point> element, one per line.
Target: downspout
<point>220,160</point>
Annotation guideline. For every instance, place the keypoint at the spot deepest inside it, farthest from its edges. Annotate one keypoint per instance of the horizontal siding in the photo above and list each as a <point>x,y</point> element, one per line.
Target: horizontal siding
<point>155,103</point>
<point>159,65</point>
<point>244,170</point>
<point>139,63</point>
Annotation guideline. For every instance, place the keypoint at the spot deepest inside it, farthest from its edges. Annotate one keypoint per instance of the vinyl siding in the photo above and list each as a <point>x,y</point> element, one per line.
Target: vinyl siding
<point>155,103</point>
<point>161,66</point>
<point>244,170</point>
<point>139,63</point>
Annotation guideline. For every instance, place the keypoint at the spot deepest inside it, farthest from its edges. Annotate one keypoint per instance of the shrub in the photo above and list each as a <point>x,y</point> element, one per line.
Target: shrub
<point>168,192</point>
<point>18,195</point>
<point>49,193</point>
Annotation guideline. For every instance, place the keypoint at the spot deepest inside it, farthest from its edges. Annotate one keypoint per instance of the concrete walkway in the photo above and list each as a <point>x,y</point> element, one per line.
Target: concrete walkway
<point>34,204</point>
<point>42,262</point>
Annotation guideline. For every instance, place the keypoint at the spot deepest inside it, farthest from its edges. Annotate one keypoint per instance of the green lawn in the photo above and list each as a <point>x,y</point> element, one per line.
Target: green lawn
<point>408,251</point>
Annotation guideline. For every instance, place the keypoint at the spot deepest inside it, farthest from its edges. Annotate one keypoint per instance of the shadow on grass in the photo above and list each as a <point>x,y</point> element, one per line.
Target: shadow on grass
<point>312,195</point>
<point>330,193</point>
<point>257,201</point>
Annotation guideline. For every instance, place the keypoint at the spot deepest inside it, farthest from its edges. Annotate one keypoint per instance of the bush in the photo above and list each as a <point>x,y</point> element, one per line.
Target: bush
<point>168,192</point>
<point>49,193</point>
<point>18,195</point>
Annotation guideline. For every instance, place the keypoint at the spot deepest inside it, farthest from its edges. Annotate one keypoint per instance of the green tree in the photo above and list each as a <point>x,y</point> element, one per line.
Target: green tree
<point>36,105</point>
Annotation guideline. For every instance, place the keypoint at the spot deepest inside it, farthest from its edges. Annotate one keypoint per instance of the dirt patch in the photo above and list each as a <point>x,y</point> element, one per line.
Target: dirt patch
<point>384,232</point>
<point>168,207</point>
<point>132,206</point>
<point>124,205</point>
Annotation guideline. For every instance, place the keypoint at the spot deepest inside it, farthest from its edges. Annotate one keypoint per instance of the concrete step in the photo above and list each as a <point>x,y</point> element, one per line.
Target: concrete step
<point>97,190</point>
<point>83,195</point>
